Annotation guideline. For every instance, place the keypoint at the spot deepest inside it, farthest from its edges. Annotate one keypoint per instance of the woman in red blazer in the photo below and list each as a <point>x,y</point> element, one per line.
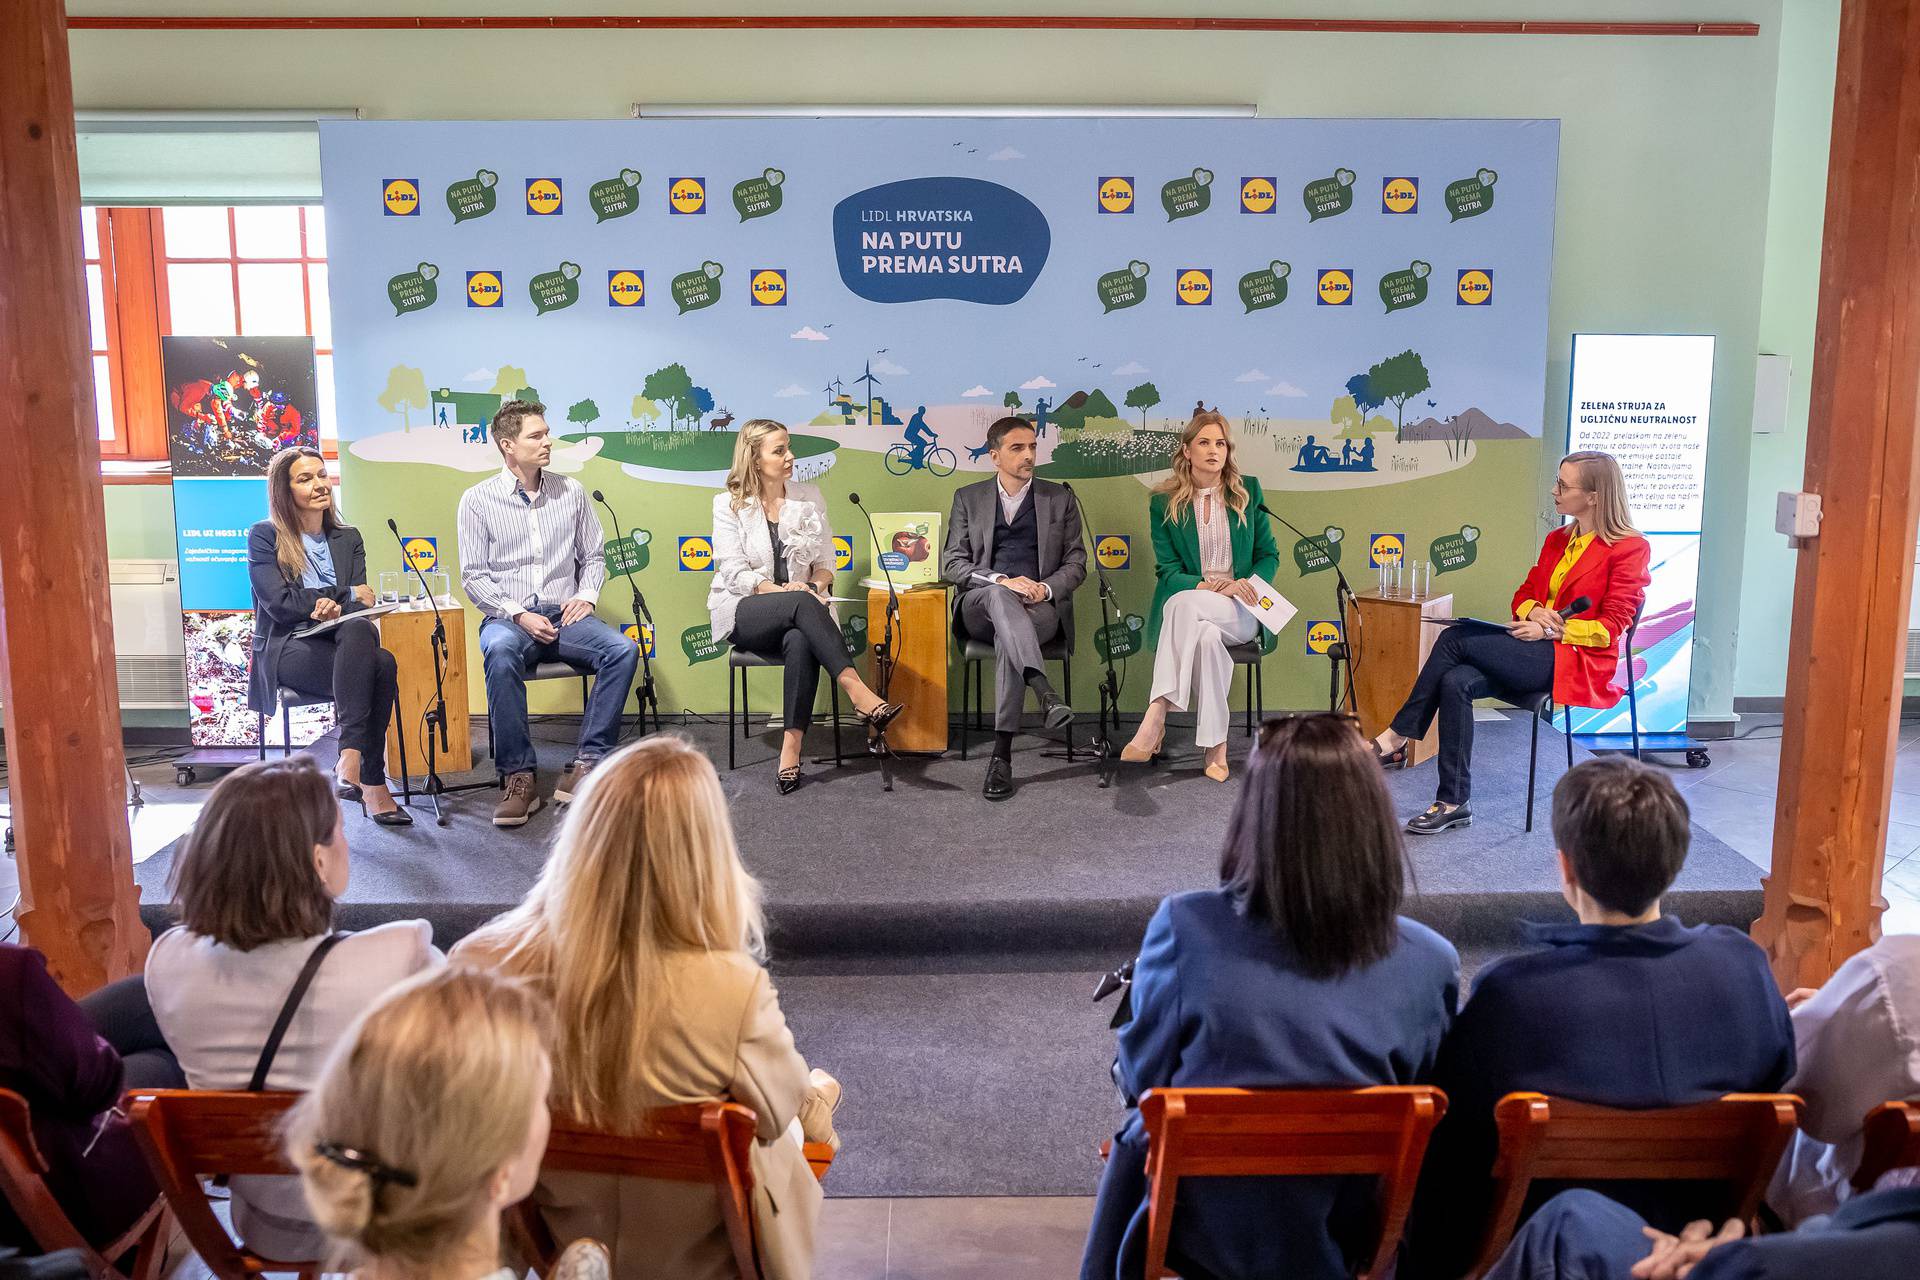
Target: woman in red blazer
<point>1599,557</point>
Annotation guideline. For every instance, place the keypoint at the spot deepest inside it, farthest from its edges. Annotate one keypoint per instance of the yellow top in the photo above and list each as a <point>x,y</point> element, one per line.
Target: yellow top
<point>1581,631</point>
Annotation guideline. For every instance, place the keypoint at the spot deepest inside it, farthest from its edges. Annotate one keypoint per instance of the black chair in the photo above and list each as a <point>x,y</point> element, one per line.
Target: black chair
<point>1539,706</point>
<point>1248,655</point>
<point>288,699</point>
<point>550,671</point>
<point>740,660</point>
<point>973,681</point>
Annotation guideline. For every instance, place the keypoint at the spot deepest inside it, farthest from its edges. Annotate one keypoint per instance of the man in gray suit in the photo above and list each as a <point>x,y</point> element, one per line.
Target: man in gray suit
<point>1014,551</point>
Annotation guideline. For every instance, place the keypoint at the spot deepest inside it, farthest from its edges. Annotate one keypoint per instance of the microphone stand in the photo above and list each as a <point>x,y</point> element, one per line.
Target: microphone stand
<point>882,652</point>
<point>435,715</point>
<point>1341,651</point>
<point>1110,684</point>
<point>643,696</point>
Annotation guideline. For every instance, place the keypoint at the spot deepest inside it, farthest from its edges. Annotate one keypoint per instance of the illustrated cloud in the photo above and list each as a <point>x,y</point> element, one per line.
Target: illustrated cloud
<point>1130,368</point>
<point>884,365</point>
<point>481,375</point>
<point>1037,383</point>
<point>807,333</point>
<point>1284,388</point>
<point>976,390</point>
<point>1253,375</point>
<point>1007,153</point>
<point>791,389</point>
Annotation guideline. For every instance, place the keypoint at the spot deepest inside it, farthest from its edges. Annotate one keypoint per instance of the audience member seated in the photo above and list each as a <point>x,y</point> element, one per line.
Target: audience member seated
<point>645,932</point>
<point>254,885</point>
<point>1295,973</point>
<point>1582,1235</point>
<point>1626,1008</point>
<point>51,1055</point>
<point>1858,1042</point>
<point>426,1123</point>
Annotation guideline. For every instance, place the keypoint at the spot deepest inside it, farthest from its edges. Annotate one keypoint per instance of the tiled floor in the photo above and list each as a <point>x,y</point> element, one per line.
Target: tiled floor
<point>1013,1239</point>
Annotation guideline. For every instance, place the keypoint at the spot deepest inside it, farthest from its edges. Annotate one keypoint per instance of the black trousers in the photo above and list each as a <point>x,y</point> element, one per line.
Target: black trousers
<point>798,626</point>
<point>1468,663</point>
<point>348,665</point>
<point>122,1015</point>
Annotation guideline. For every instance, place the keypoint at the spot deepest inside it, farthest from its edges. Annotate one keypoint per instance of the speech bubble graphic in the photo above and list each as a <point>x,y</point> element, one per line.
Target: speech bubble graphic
<point>1186,197</point>
<point>1312,555</point>
<point>758,197</point>
<point>1123,288</point>
<point>1121,639</point>
<point>693,290</point>
<point>1408,288</point>
<point>1266,287</point>
<point>629,554</point>
<point>615,197</point>
<point>699,645</point>
<point>473,197</point>
<point>1326,197</point>
<point>414,290</point>
<point>1452,551</point>
<point>1471,197</point>
<point>921,238</point>
<point>854,632</point>
<point>552,290</point>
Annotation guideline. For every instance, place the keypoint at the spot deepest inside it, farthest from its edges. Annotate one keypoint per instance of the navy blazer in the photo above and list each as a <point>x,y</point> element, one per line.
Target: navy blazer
<point>1218,1001</point>
<point>281,606</point>
<point>1641,1016</point>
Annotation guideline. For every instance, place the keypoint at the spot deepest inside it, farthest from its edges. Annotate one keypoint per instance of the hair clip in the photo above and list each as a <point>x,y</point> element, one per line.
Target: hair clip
<point>348,1158</point>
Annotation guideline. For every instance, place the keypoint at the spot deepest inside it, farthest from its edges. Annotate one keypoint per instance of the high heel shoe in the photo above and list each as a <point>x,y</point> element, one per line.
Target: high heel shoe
<point>347,790</point>
<point>1218,772</point>
<point>1137,755</point>
<point>881,716</point>
<point>788,779</point>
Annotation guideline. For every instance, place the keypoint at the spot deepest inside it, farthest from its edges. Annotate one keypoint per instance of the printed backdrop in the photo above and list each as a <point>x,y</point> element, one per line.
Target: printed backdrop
<point>1365,300</point>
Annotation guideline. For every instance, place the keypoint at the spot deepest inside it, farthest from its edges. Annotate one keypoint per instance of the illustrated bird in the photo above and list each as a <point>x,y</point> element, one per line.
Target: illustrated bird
<point>1430,404</point>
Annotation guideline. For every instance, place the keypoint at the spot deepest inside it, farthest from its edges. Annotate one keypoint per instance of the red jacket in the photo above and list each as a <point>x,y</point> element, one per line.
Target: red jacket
<point>1612,575</point>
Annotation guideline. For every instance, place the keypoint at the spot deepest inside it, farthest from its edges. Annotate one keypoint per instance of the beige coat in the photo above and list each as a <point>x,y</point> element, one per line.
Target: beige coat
<point>728,1040</point>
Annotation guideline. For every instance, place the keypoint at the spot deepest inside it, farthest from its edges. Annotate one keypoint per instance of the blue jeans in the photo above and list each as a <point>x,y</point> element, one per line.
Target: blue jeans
<point>509,653</point>
<point>1577,1235</point>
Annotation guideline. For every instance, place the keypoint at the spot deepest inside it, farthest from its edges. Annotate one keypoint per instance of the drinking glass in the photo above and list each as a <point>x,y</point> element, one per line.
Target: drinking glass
<point>389,586</point>
<point>1419,579</point>
<point>1390,577</point>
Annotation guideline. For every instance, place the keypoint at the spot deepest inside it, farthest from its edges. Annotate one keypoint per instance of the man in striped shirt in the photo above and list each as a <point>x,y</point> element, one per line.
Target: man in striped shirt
<point>531,562</point>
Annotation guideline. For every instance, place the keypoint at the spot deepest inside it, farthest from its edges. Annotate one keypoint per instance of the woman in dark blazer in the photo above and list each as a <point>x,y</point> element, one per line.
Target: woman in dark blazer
<point>1598,558</point>
<point>1209,538</point>
<point>307,567</point>
<point>1297,972</point>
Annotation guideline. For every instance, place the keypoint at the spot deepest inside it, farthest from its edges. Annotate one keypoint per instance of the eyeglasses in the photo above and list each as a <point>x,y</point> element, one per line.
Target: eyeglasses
<point>1560,487</point>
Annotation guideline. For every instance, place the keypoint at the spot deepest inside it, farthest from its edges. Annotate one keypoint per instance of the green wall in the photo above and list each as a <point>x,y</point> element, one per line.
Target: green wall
<point>1666,144</point>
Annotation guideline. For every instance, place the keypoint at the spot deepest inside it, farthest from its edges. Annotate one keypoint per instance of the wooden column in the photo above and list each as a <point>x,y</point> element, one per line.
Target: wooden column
<point>67,773</point>
<point>1863,458</point>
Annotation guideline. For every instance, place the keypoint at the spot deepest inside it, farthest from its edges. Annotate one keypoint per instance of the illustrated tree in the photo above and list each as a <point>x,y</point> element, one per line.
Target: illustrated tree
<point>1346,415</point>
<point>670,386</point>
<point>1396,380</point>
<point>700,403</point>
<point>644,410</point>
<point>509,380</point>
<point>1143,398</point>
<point>1011,400</point>
<point>1365,398</point>
<point>584,412</point>
<point>406,389</point>
<point>526,393</point>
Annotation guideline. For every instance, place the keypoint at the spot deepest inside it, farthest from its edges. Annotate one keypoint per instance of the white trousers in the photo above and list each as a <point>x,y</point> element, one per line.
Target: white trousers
<point>1195,630</point>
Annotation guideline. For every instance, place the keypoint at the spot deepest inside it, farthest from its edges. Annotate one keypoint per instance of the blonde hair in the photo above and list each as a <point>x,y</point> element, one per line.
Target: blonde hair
<point>426,1099</point>
<point>644,866</point>
<point>1180,487</point>
<point>1600,474</point>
<point>285,513</point>
<point>743,477</point>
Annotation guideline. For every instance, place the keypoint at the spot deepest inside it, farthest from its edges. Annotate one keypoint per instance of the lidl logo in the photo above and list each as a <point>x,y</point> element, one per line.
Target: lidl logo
<point>769,287</point>
<point>687,195</point>
<point>1322,635</point>
<point>401,197</point>
<point>696,553</point>
<point>1258,195</point>
<point>1400,195</point>
<point>1116,195</point>
<point>640,635</point>
<point>626,288</point>
<point>422,553</point>
<point>1195,287</point>
<point>842,552</point>
<point>1266,602</point>
<point>543,196</point>
<point>1475,287</point>
<point>1386,548</point>
<point>1113,550</point>
<point>1335,287</point>
<point>484,289</point>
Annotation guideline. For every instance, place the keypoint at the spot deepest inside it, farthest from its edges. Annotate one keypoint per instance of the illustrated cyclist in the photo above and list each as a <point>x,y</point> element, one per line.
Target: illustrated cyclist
<point>919,438</point>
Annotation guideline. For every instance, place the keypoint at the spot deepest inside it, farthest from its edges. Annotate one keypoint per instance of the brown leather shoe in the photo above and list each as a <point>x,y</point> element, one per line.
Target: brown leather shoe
<point>570,779</point>
<point>520,802</point>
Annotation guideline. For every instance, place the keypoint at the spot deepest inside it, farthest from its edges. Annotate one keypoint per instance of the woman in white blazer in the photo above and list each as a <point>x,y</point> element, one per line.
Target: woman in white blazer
<point>772,572</point>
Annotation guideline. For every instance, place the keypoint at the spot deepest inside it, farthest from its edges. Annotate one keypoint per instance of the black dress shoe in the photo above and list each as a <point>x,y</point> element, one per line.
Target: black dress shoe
<point>393,818</point>
<point>788,780</point>
<point>1437,819</point>
<point>1058,714</point>
<point>999,783</point>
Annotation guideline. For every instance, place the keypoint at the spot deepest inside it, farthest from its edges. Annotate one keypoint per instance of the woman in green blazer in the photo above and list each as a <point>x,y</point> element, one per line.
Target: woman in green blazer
<point>1209,537</point>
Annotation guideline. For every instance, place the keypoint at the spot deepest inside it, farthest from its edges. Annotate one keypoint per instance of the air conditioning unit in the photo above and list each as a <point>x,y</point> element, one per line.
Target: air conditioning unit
<point>148,644</point>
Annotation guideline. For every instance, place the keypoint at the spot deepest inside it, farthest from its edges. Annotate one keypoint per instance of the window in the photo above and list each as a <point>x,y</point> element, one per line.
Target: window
<point>100,325</point>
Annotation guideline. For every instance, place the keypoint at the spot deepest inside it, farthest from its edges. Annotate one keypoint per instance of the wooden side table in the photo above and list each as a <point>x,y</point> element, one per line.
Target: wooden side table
<point>408,635</point>
<point>1390,644</point>
<point>919,666</point>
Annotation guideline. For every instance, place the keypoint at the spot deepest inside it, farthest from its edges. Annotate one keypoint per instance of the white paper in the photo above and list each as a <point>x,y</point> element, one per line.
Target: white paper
<point>1273,609</point>
<point>321,628</point>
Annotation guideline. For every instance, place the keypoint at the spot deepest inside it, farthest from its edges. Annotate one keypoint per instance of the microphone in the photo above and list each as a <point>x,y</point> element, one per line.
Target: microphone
<point>639,601</point>
<point>1579,605</point>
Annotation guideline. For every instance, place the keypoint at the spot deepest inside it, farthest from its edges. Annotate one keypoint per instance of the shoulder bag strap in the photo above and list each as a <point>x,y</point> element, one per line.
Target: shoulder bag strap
<point>294,997</point>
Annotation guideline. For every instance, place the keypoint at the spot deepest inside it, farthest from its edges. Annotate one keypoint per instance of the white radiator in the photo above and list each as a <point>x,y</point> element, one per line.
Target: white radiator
<point>149,648</point>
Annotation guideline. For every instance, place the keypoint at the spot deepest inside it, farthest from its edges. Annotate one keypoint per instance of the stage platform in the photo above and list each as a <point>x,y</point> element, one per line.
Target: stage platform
<point>938,952</point>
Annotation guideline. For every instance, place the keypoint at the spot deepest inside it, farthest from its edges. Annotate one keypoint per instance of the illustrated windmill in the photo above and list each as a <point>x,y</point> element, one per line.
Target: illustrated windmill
<point>871,381</point>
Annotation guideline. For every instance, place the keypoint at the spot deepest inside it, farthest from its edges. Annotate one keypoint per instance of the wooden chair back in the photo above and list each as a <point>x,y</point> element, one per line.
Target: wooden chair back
<point>189,1134</point>
<point>1380,1132</point>
<point>1891,1140</point>
<point>703,1142</point>
<point>1736,1139</point>
<point>23,1180</point>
